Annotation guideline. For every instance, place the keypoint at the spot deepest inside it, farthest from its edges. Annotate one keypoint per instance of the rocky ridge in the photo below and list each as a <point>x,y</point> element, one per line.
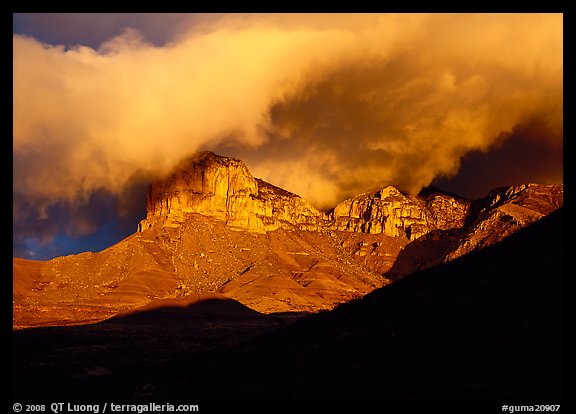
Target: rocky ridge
<point>396,214</point>
<point>439,225</point>
<point>504,211</point>
<point>224,188</point>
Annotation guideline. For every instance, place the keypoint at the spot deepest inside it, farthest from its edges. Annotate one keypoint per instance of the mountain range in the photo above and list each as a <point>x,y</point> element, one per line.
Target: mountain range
<point>213,229</point>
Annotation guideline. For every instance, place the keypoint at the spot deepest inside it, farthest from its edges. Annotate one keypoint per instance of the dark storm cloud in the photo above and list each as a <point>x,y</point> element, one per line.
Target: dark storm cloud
<point>102,217</point>
<point>525,155</point>
<point>92,29</point>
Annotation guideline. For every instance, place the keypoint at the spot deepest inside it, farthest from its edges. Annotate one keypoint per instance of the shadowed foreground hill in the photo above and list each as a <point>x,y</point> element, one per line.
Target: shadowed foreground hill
<point>486,326</point>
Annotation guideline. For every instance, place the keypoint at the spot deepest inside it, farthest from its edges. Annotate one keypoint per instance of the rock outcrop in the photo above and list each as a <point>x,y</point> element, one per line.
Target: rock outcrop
<point>224,188</point>
<point>395,214</point>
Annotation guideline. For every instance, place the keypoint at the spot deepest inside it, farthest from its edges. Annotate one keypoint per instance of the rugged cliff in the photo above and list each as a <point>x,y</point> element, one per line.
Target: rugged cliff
<point>390,212</point>
<point>224,188</point>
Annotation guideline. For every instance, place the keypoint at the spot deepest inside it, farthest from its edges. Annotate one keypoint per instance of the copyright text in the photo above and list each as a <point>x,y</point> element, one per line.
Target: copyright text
<point>62,407</point>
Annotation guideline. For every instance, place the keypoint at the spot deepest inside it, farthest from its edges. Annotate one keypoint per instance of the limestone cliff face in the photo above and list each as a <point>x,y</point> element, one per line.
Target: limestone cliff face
<point>224,188</point>
<point>395,214</point>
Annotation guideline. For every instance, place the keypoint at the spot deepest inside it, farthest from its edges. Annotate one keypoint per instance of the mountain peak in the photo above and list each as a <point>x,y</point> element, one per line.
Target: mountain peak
<point>207,156</point>
<point>223,188</point>
<point>389,191</point>
<point>396,214</point>
<point>205,159</point>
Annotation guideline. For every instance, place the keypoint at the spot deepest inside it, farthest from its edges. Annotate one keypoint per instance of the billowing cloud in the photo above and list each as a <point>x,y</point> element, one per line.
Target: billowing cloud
<point>324,105</point>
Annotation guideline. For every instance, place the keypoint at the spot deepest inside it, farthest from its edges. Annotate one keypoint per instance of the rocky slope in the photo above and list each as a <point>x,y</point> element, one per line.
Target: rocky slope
<point>506,210</point>
<point>212,227</point>
<point>488,221</point>
<point>278,271</point>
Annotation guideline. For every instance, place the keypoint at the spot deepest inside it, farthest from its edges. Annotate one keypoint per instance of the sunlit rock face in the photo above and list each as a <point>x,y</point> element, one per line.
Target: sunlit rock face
<point>395,214</point>
<point>224,188</point>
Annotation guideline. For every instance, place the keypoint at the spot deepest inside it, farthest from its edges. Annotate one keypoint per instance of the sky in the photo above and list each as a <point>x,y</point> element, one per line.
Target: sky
<point>323,105</point>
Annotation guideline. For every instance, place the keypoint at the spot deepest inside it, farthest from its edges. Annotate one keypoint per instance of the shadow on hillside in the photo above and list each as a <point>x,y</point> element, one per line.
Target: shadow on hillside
<point>426,251</point>
<point>74,361</point>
